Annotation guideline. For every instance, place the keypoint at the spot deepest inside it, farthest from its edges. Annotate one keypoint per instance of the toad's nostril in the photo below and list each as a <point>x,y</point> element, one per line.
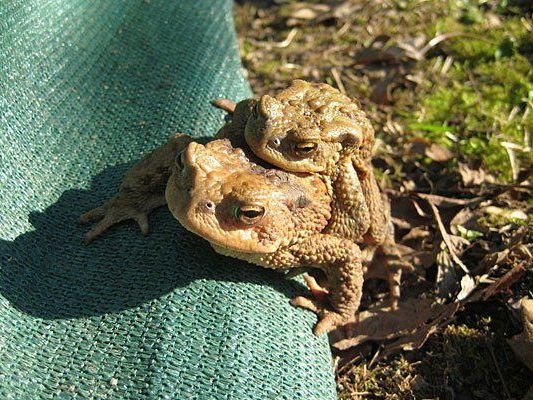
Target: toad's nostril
<point>305,148</point>
<point>274,142</point>
<point>180,159</point>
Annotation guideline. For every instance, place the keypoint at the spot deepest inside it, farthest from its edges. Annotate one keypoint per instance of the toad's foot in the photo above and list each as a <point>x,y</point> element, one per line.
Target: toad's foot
<point>225,104</point>
<point>120,208</point>
<point>317,290</point>
<point>328,319</point>
<point>394,266</point>
<point>395,269</point>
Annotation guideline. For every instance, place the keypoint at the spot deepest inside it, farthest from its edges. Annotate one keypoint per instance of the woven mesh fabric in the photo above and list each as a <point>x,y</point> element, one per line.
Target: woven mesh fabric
<point>86,88</point>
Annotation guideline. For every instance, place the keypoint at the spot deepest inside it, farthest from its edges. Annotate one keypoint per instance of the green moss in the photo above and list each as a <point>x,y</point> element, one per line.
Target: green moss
<point>499,221</point>
<point>474,104</point>
<point>461,361</point>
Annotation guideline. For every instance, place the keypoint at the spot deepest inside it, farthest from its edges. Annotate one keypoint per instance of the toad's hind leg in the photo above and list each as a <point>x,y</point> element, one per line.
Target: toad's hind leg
<point>387,252</point>
<point>142,190</point>
<point>340,259</point>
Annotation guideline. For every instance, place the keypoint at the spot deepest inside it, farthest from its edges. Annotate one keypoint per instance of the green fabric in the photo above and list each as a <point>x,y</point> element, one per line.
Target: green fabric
<point>86,88</point>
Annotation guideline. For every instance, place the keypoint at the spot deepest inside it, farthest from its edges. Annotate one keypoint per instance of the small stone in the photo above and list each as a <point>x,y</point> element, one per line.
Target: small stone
<point>113,381</point>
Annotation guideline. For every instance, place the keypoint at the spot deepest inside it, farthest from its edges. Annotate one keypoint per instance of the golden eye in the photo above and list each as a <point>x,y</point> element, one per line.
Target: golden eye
<point>250,214</point>
<point>305,149</point>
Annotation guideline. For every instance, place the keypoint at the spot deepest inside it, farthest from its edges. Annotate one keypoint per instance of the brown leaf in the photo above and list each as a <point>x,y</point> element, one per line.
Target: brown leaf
<point>522,344</point>
<point>441,315</point>
<point>382,92</point>
<point>474,177</point>
<point>424,259</point>
<point>416,319</point>
<point>417,232</point>
<point>410,324</point>
<point>446,238</point>
<point>434,151</point>
<point>438,153</point>
<point>468,219</point>
<point>501,284</point>
<point>405,213</point>
<point>304,13</point>
<point>380,323</point>
<point>492,259</point>
<point>375,55</point>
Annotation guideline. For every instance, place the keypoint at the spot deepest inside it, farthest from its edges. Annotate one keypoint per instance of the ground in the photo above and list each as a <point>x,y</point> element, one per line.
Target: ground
<point>448,85</point>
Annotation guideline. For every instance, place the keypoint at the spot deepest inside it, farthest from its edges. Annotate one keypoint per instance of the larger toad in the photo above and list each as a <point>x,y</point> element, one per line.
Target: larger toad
<point>313,128</point>
<point>264,216</point>
<point>267,217</point>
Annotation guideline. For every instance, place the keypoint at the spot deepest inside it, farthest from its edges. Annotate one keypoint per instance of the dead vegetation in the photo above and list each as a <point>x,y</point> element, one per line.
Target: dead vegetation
<point>448,87</point>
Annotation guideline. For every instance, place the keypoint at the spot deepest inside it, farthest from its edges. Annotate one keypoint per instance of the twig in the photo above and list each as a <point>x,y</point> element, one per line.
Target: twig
<point>445,36</point>
<point>343,29</point>
<point>510,277</point>
<point>447,202</point>
<point>446,237</point>
<point>288,40</point>
<point>338,81</point>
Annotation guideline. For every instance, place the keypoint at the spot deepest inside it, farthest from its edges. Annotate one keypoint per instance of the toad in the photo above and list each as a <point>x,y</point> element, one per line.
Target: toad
<point>264,216</point>
<point>267,217</point>
<point>313,128</point>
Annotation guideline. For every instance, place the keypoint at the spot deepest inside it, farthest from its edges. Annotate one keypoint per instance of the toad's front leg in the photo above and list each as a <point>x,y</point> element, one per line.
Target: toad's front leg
<point>350,217</point>
<point>340,259</point>
<point>142,190</point>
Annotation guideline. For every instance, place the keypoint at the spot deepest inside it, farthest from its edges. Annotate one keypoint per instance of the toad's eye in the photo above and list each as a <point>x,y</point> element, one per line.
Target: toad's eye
<point>179,159</point>
<point>250,214</point>
<point>305,149</point>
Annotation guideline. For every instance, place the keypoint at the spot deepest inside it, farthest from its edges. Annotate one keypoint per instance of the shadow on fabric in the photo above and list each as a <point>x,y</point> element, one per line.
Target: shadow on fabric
<point>49,273</point>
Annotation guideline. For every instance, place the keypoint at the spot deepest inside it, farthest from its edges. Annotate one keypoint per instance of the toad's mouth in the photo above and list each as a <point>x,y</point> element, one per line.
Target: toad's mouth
<point>287,160</point>
<point>239,240</point>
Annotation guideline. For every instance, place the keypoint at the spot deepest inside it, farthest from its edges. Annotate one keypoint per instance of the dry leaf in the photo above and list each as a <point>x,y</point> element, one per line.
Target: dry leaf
<point>474,177</point>
<point>438,153</point>
<point>446,279</point>
<point>444,315</point>
<point>468,284</point>
<point>418,232</point>
<point>415,320</point>
<point>380,323</point>
<point>432,150</point>
<point>374,55</point>
<point>493,259</point>
<point>405,214</point>
<point>424,259</point>
<point>468,219</point>
<point>522,344</point>
<point>501,284</point>
<point>505,213</point>
<point>382,92</point>
<point>304,13</point>
<point>446,238</point>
